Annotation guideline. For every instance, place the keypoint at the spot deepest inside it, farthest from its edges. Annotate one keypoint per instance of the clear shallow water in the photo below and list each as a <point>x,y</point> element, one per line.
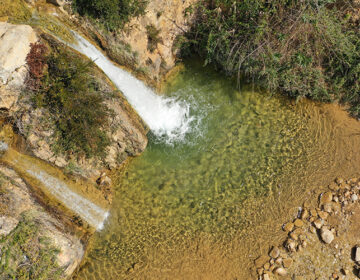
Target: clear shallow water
<point>207,207</point>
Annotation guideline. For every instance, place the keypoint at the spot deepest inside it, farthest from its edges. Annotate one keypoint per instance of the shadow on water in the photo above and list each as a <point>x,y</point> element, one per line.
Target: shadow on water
<point>206,207</point>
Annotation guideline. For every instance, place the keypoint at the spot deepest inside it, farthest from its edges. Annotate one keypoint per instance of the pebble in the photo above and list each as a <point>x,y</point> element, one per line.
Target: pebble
<point>259,262</point>
<point>357,254</point>
<point>313,212</point>
<point>323,215</point>
<point>281,271</point>
<point>287,262</point>
<point>291,245</point>
<point>326,235</point>
<point>312,229</point>
<point>318,223</point>
<point>334,187</point>
<point>354,197</point>
<point>327,208</point>
<point>339,180</point>
<point>278,261</point>
<point>298,223</point>
<point>304,214</point>
<point>266,277</point>
<point>288,227</point>
<point>326,197</point>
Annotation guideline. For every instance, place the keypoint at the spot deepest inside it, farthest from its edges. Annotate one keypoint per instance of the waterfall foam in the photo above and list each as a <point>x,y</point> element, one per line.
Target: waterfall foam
<point>168,118</point>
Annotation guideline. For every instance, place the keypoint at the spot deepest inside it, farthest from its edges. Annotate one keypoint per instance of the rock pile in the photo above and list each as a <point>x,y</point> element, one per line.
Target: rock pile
<point>311,224</point>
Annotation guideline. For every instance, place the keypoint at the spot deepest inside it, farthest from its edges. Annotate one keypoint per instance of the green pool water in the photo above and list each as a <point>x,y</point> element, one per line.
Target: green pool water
<point>205,207</point>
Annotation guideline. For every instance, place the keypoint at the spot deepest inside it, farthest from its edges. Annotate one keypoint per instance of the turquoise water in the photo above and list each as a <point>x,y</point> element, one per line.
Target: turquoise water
<point>194,209</point>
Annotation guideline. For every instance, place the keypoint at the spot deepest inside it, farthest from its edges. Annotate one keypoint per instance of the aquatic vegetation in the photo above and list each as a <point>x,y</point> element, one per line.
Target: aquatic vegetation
<point>302,48</point>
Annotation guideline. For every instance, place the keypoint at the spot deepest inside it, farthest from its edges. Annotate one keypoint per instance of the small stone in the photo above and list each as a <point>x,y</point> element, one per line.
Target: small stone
<point>334,187</point>
<point>326,235</point>
<point>312,229</point>
<point>339,180</point>
<point>275,252</point>
<point>323,215</point>
<point>357,254</point>
<point>313,212</point>
<point>354,197</point>
<point>272,267</point>
<point>304,214</point>
<point>336,199</point>
<point>290,245</point>
<point>326,197</point>
<point>294,236</point>
<point>281,271</point>
<point>318,223</point>
<point>288,227</point>
<point>278,261</point>
<point>260,261</point>
<point>266,266</point>
<point>287,262</point>
<point>327,207</point>
<point>266,276</point>
<point>298,223</point>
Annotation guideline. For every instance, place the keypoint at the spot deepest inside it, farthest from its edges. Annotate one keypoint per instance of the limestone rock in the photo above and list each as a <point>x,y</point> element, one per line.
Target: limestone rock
<point>326,235</point>
<point>7,224</point>
<point>15,43</point>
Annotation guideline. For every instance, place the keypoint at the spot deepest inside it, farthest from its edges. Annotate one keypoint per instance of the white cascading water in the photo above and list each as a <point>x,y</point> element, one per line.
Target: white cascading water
<point>167,118</point>
<point>87,210</point>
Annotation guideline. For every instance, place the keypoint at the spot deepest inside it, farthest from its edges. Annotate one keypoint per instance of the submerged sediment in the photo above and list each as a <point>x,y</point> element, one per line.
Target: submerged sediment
<point>323,240</point>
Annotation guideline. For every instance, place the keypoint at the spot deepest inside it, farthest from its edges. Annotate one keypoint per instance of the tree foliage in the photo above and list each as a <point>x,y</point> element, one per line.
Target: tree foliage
<point>303,48</point>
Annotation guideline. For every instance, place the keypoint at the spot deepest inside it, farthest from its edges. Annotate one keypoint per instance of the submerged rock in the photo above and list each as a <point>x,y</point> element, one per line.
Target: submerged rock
<point>326,235</point>
<point>275,252</point>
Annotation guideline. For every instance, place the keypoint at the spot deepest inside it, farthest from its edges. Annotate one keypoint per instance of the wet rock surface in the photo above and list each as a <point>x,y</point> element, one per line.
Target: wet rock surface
<point>325,244</point>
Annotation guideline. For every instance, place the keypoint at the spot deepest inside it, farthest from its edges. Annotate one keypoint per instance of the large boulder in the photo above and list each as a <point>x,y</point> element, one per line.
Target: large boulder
<point>15,43</point>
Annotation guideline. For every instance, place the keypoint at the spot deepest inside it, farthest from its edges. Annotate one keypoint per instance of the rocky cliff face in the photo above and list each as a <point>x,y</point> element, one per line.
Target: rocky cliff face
<point>147,44</point>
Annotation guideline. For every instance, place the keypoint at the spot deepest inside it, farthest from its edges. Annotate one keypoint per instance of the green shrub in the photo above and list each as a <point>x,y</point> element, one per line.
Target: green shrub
<point>74,99</point>
<point>113,14</point>
<point>153,37</point>
<point>302,48</point>
<point>26,255</point>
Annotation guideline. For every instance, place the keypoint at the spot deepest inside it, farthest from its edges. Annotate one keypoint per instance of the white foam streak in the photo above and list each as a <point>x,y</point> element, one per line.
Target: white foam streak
<point>87,210</point>
<point>166,117</point>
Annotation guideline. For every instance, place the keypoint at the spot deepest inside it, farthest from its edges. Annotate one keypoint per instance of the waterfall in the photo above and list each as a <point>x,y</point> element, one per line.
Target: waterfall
<point>59,189</point>
<point>168,118</point>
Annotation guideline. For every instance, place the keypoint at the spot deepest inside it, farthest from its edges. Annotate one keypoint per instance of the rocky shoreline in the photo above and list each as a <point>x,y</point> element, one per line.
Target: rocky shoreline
<point>323,240</point>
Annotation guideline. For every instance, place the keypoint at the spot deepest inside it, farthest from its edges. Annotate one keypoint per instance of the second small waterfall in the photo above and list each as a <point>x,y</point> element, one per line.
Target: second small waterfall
<point>167,118</point>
